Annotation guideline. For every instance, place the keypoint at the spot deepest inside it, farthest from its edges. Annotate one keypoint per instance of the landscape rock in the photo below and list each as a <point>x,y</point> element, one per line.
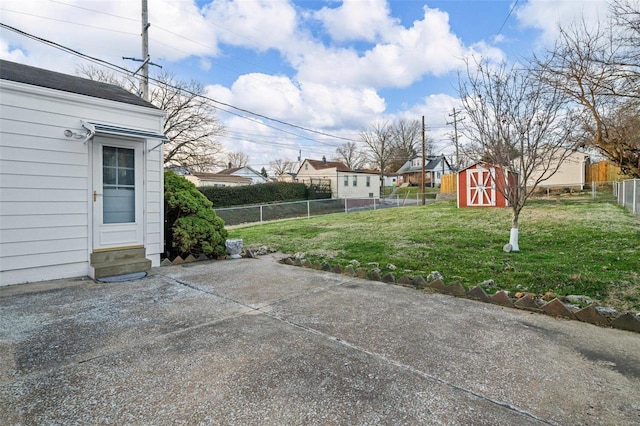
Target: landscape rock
<point>297,261</point>
<point>628,321</point>
<point>477,293</point>
<point>348,270</point>
<point>375,275</point>
<point>578,300</point>
<point>362,273</point>
<point>178,261</point>
<point>405,280</point>
<point>202,257</point>
<point>607,312</point>
<point>190,259</point>
<point>355,263</point>
<point>307,264</point>
<point>502,298</point>
<point>591,315</point>
<point>419,282</point>
<point>326,267</point>
<point>288,261</point>
<point>317,265</point>
<point>337,269</point>
<point>166,262</point>
<point>487,284</point>
<point>434,275</point>
<point>527,302</point>
<point>436,285</point>
<point>389,278</point>
<point>455,289</point>
<point>558,309</point>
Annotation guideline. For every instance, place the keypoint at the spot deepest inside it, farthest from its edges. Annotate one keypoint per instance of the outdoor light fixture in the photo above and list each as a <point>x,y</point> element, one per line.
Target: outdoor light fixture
<point>90,131</point>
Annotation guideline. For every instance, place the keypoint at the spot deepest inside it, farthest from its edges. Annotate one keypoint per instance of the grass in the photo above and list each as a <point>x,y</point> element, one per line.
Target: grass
<point>569,245</point>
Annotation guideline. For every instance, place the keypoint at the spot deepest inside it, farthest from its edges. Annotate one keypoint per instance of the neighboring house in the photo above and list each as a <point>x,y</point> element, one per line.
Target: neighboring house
<point>571,172</point>
<point>434,167</point>
<point>81,178</point>
<point>286,177</point>
<point>344,182</point>
<point>246,172</point>
<point>479,185</point>
<point>216,179</point>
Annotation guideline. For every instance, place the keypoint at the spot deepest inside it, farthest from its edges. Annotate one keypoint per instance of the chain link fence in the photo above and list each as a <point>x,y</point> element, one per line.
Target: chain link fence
<point>296,209</point>
<point>627,193</point>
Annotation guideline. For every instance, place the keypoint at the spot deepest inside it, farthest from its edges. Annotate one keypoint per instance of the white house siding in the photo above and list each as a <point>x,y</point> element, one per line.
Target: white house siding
<point>571,172</point>
<point>361,190</point>
<point>45,181</point>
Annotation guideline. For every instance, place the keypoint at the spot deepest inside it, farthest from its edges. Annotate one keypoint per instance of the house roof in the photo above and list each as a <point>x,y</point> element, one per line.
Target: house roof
<point>216,177</point>
<point>338,165</point>
<point>26,74</point>
<point>431,163</point>
<point>233,170</point>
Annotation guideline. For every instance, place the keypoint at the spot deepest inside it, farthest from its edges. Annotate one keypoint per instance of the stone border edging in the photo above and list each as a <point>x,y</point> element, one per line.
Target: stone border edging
<point>627,321</point>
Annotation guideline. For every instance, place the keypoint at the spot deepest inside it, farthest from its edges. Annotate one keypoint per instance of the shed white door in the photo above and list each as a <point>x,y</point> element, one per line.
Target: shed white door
<point>118,195</point>
<point>481,189</point>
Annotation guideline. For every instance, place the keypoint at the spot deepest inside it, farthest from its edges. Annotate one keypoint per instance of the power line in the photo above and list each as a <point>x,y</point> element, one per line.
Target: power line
<point>129,73</point>
<point>507,18</point>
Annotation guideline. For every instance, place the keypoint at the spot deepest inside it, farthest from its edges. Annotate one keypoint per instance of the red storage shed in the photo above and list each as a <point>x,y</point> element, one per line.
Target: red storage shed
<point>482,184</point>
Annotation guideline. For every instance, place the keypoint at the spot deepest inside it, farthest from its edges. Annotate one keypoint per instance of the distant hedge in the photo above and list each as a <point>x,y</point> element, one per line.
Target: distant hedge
<point>273,192</point>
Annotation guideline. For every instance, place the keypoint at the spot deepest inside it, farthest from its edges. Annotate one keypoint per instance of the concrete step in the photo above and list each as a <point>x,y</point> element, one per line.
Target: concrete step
<point>117,255</point>
<point>121,267</point>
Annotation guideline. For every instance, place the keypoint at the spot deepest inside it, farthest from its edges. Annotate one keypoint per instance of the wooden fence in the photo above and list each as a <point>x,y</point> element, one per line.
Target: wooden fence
<point>603,171</point>
<point>448,183</point>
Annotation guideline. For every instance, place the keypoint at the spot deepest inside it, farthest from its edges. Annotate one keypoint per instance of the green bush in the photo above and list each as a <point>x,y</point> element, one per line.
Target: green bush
<point>273,192</point>
<point>191,225</point>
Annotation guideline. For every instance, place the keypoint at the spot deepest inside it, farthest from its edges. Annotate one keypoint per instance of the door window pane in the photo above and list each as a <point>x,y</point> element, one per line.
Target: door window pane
<point>118,185</point>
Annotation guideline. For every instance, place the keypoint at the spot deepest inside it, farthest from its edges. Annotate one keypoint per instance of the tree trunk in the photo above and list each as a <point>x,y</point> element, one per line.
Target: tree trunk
<point>513,238</point>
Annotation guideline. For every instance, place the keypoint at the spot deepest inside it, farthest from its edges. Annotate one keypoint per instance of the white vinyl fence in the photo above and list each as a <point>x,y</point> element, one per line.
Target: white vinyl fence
<point>267,212</point>
<point>628,194</point>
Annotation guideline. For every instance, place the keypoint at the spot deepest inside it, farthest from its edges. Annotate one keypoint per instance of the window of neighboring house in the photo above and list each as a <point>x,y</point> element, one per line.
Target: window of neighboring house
<point>355,180</point>
<point>306,167</point>
<point>346,180</point>
<point>437,175</point>
<point>368,181</point>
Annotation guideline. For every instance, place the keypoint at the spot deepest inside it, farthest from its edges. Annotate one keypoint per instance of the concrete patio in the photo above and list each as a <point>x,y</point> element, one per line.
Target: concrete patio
<point>253,341</point>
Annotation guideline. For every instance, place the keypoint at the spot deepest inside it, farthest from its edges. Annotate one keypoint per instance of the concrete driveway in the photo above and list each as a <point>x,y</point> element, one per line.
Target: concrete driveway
<point>252,341</point>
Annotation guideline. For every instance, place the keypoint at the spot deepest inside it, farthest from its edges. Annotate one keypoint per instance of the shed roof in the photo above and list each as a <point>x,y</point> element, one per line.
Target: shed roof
<point>20,73</point>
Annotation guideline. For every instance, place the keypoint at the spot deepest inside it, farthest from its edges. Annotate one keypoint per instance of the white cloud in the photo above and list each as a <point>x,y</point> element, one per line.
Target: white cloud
<point>356,20</point>
<point>548,15</point>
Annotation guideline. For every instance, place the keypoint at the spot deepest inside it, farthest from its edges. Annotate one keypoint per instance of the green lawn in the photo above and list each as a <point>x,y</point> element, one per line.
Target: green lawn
<point>571,245</point>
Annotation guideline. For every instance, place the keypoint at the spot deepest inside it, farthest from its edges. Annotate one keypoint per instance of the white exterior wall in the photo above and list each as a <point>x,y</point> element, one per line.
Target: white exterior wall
<point>361,190</point>
<point>570,173</point>
<point>338,189</point>
<point>46,181</point>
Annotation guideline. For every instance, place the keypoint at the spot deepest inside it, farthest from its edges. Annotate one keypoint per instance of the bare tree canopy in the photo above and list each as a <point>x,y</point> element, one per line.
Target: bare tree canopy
<point>378,140</point>
<point>190,124</point>
<point>599,68</point>
<point>280,166</point>
<point>516,122</point>
<point>351,155</point>
<point>406,138</point>
<point>237,159</point>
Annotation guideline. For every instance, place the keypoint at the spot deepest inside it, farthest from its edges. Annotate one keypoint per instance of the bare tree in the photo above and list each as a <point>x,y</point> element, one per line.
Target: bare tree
<point>237,159</point>
<point>280,166</point>
<point>350,154</point>
<point>407,137</point>
<point>190,124</point>
<point>600,74</point>
<point>378,140</point>
<point>517,123</point>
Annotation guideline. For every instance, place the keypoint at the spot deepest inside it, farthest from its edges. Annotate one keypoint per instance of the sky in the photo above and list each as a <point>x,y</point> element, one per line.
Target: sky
<point>335,67</point>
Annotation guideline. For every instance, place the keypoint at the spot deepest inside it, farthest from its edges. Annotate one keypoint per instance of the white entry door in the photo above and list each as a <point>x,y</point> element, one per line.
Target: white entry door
<point>481,188</point>
<point>118,195</point>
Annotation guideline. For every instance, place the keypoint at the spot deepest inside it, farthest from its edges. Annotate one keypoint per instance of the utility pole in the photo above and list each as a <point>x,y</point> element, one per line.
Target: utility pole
<point>145,51</point>
<point>146,59</point>
<point>423,163</point>
<point>455,135</point>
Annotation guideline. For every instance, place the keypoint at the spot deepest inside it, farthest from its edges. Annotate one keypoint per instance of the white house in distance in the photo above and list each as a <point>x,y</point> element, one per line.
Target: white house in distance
<point>245,172</point>
<point>81,178</point>
<point>344,182</point>
<point>571,172</point>
<point>434,168</point>
<point>215,179</point>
